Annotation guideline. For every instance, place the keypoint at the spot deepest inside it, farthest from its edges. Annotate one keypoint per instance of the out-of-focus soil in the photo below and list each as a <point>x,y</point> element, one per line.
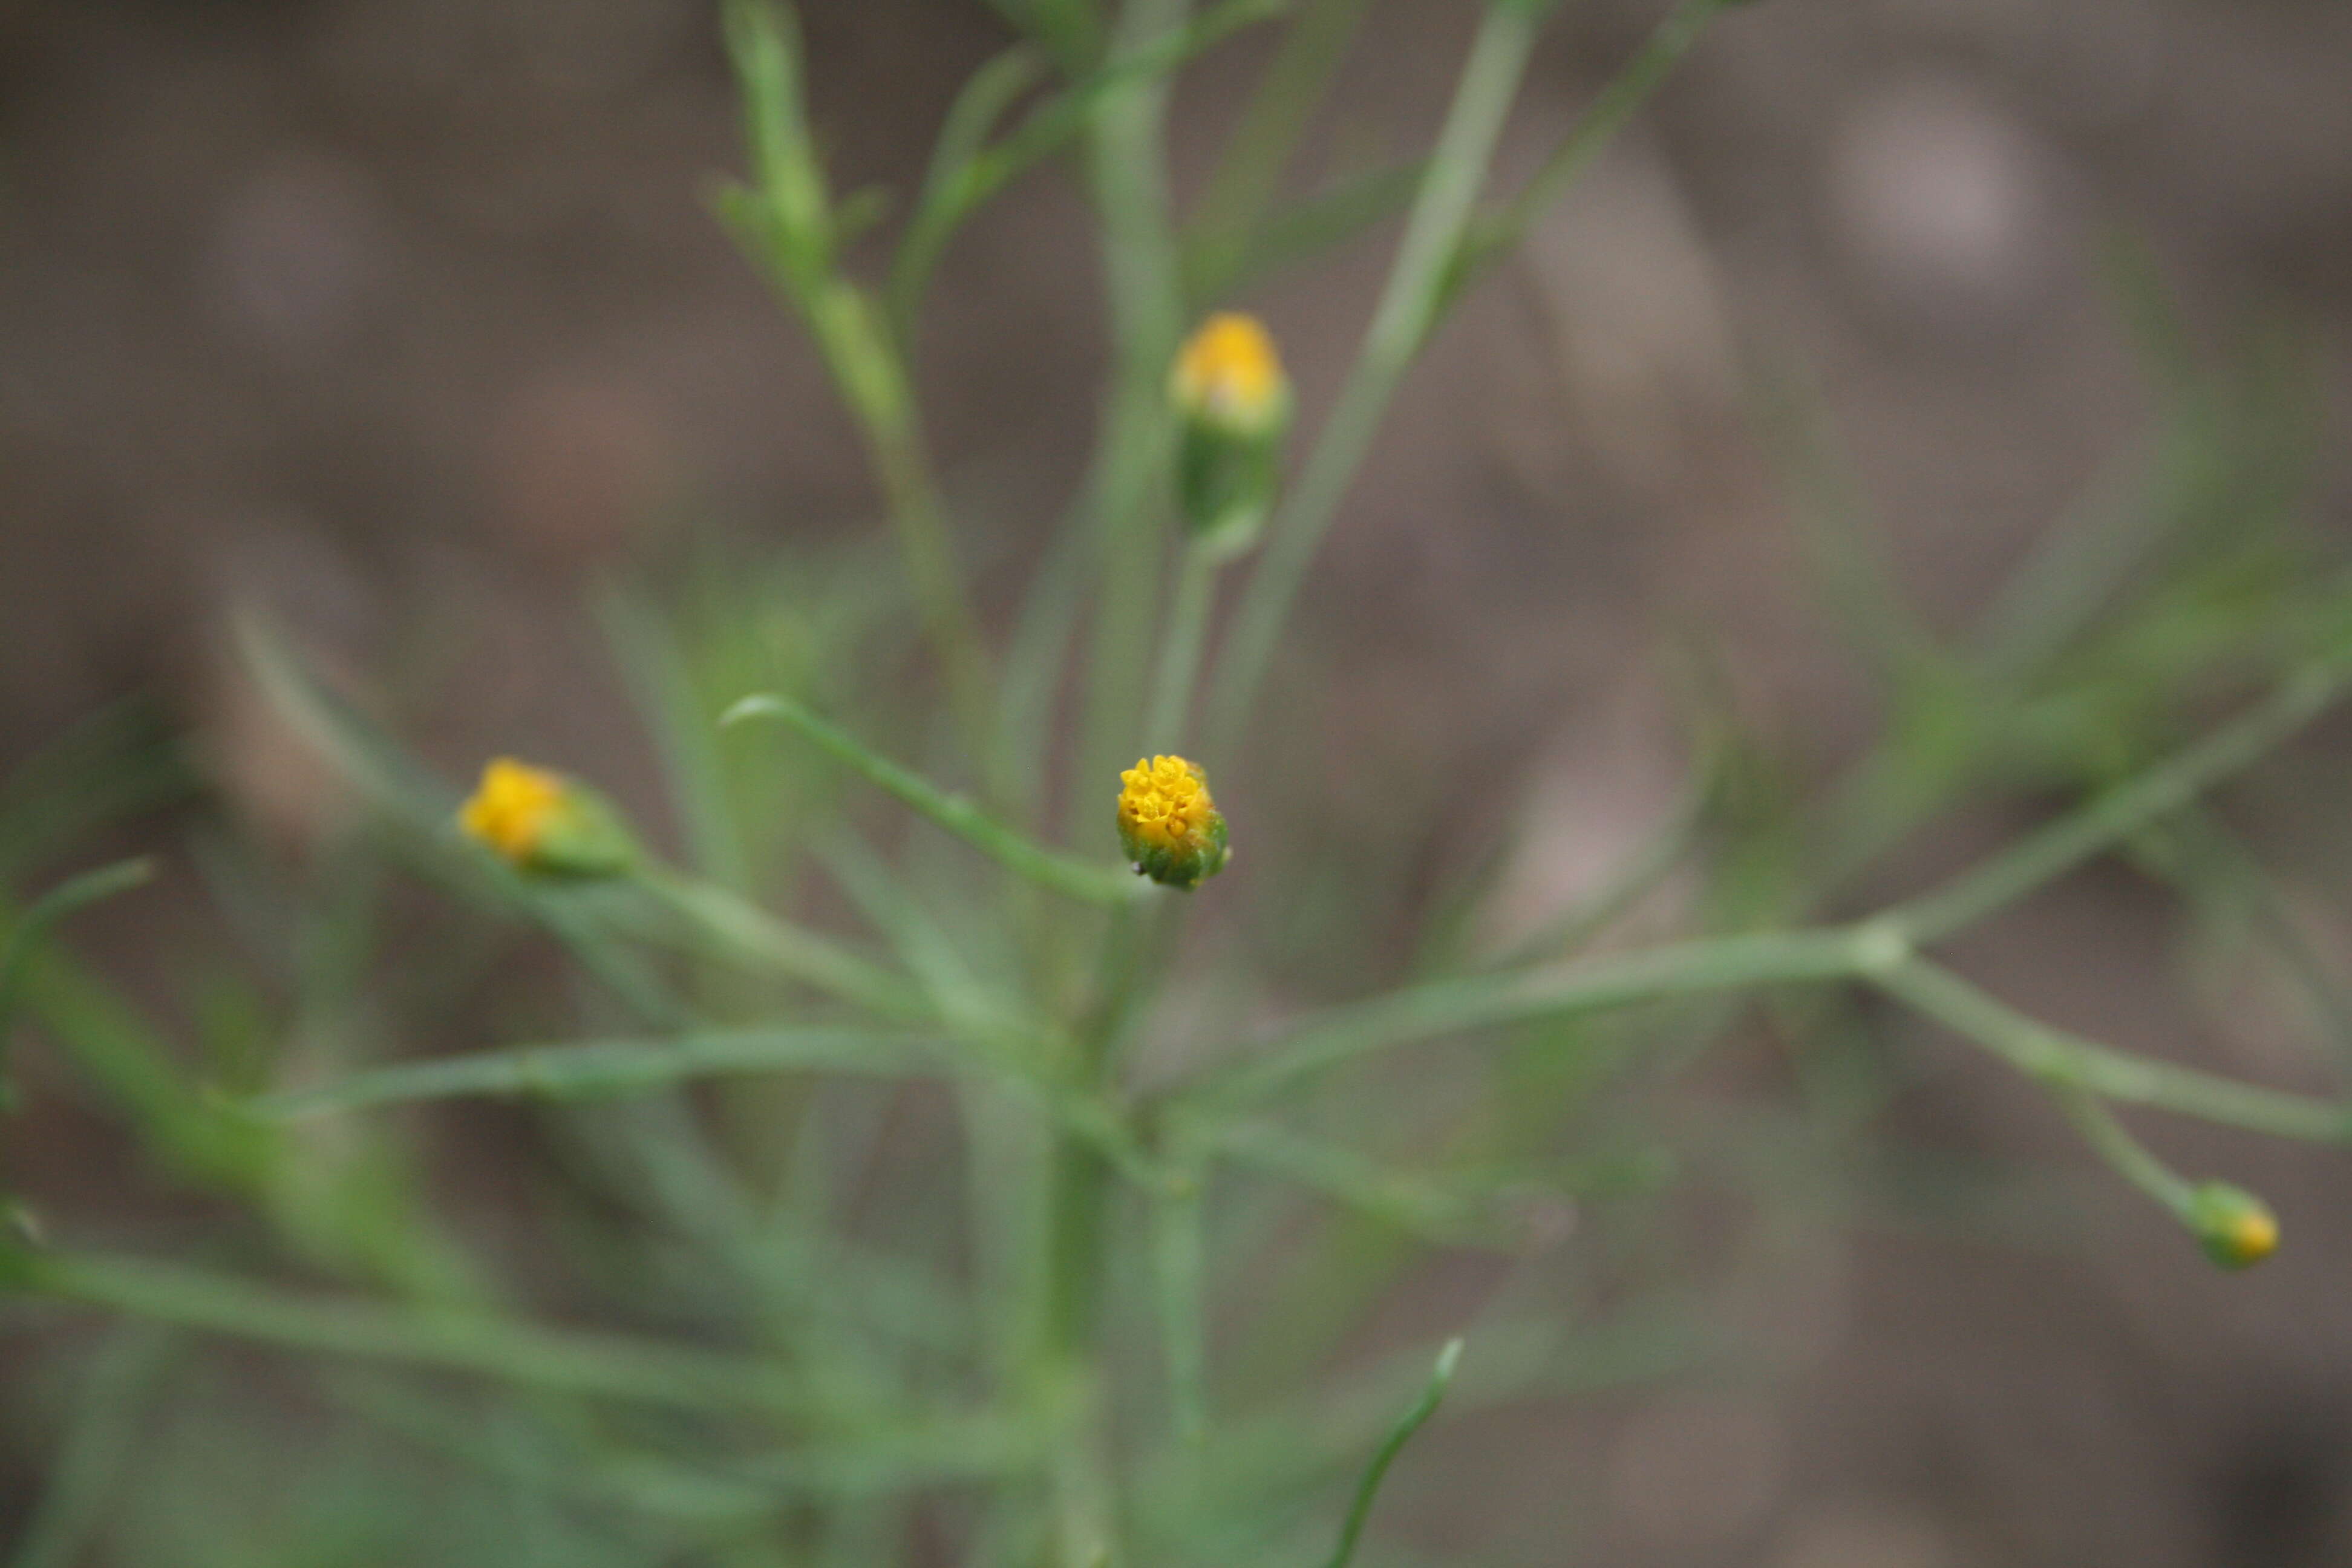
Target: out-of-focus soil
<point>392,312</point>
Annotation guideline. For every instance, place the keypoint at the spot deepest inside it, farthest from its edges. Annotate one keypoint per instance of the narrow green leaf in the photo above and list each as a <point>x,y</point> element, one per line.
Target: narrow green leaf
<point>661,680</point>
<point>1302,230</point>
<point>940,204</point>
<point>724,915</point>
<point>1844,549</point>
<point>1227,219</point>
<point>563,1461</point>
<point>1426,1208</point>
<point>596,1068</point>
<point>764,42</point>
<point>2124,810</point>
<point>94,1465</point>
<point>1451,1006</point>
<point>120,761</point>
<point>1090,880</point>
<point>956,193</point>
<point>1492,236</point>
<point>580,1362</point>
<point>121,1051</point>
<point>2053,1056</point>
<point>922,945</point>
<point>1179,1276</point>
<point>1385,1455</point>
<point>42,915</point>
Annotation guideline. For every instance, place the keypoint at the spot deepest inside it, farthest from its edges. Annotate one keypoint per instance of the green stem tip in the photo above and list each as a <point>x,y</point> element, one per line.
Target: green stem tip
<point>1440,1378</point>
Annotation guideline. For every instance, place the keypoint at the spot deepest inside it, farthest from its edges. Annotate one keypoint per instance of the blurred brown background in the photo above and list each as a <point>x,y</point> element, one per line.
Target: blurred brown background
<point>408,311</point>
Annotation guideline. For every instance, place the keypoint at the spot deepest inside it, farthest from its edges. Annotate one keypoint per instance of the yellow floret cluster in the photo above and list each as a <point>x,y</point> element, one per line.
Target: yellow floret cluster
<point>513,809</point>
<point>1228,373</point>
<point>1168,823</point>
<point>1165,800</point>
<point>2243,1237</point>
<point>2237,1228</point>
<point>2253,1237</point>
<point>542,822</point>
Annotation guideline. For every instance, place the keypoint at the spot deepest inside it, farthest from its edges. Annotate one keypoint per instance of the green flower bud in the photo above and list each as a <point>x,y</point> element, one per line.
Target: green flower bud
<point>543,823</point>
<point>2236,1229</point>
<point>1229,387</point>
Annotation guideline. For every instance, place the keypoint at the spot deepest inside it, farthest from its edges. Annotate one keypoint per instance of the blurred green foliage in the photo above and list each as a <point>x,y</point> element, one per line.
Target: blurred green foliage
<point>935,1218</point>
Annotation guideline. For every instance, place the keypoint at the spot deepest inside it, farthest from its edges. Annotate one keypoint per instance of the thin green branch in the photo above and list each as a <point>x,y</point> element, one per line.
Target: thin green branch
<point>2076,839</point>
<point>95,1461</point>
<point>1429,1210</point>
<point>1493,235</point>
<point>119,1050</point>
<point>777,944</point>
<point>907,923</point>
<point>1180,649</point>
<point>952,183</point>
<point>979,1447</point>
<point>651,658</point>
<point>1180,1273</point>
<point>609,1069</point>
<point>2125,1154</point>
<point>966,170</point>
<point>573,1360</point>
<point>1383,1457</point>
<point>1452,1007</point>
<point>1869,948</point>
<point>2207,849</point>
<point>1408,307</point>
<point>2053,1056</point>
<point>40,917</point>
<point>786,224</point>
<point>1316,225</point>
<point>1227,218</point>
<point>588,1069</point>
<point>603,1476</point>
<point>1090,880</point>
<point>1037,660</point>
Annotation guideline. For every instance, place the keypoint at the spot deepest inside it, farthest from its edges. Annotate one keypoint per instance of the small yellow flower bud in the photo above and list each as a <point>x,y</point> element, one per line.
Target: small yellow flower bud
<point>539,821</point>
<point>1229,387</point>
<point>1229,374</point>
<point>2236,1229</point>
<point>1167,822</point>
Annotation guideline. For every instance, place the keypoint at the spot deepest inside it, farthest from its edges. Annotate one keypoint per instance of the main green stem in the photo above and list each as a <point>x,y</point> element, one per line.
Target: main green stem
<point>1128,164</point>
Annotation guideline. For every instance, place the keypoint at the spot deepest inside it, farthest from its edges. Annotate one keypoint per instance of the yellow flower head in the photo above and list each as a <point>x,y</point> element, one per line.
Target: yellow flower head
<point>1228,374</point>
<point>541,821</point>
<point>1167,822</point>
<point>509,812</point>
<point>2236,1229</point>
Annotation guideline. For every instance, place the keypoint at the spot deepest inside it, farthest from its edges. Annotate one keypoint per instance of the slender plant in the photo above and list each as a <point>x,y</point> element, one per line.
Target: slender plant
<point>1022,973</point>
